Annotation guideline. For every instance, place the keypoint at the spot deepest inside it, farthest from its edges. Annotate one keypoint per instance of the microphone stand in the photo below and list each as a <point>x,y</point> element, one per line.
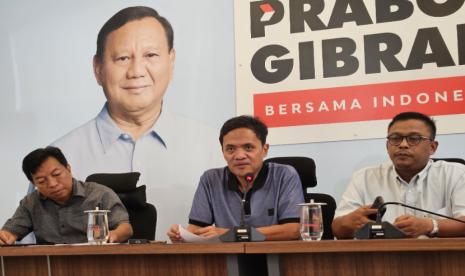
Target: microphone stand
<point>242,224</point>
<point>243,232</point>
<point>378,218</point>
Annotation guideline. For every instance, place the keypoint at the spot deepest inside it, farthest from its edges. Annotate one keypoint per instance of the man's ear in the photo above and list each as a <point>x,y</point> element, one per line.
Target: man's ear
<point>97,69</point>
<point>433,147</point>
<point>172,62</point>
<point>265,149</point>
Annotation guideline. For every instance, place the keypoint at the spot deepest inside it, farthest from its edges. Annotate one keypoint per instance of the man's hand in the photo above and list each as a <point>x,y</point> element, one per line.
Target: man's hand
<point>346,226</point>
<point>121,234</point>
<point>174,234</point>
<point>413,226</point>
<point>6,237</point>
<point>210,231</point>
<point>359,217</point>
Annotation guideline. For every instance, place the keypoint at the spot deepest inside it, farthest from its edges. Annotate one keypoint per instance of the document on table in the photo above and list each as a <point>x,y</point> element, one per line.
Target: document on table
<point>191,237</point>
<point>85,243</point>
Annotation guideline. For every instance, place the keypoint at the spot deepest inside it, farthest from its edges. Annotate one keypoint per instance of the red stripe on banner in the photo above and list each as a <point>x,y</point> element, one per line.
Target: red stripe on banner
<point>443,96</point>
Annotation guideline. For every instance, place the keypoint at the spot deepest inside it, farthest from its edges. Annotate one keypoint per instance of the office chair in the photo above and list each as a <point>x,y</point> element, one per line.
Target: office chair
<point>142,215</point>
<point>456,160</point>
<point>306,169</point>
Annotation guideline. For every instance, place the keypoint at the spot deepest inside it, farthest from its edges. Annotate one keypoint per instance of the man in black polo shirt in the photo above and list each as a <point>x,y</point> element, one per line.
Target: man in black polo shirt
<point>273,198</point>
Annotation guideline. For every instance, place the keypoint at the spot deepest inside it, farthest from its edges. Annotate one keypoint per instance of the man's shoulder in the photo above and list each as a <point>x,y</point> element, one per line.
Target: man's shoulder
<point>281,168</point>
<point>31,198</point>
<point>447,165</point>
<point>197,131</point>
<point>282,175</point>
<point>214,174</point>
<point>93,187</point>
<point>283,172</point>
<point>80,133</point>
<point>378,169</point>
<point>447,168</point>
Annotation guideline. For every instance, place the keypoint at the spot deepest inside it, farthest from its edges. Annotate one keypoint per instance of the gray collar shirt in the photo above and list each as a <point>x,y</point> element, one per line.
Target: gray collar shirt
<point>54,223</point>
<point>273,198</point>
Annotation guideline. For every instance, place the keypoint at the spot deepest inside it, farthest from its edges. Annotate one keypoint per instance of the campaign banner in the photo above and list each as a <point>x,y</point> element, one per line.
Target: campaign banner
<point>317,70</point>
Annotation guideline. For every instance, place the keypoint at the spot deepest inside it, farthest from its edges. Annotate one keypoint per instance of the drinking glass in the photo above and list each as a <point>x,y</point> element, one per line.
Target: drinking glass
<point>97,226</point>
<point>311,221</point>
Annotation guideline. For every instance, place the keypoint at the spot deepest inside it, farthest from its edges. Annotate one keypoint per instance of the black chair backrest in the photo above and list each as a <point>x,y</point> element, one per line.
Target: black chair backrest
<point>304,166</point>
<point>456,160</point>
<point>143,221</point>
<point>142,215</point>
<point>306,169</point>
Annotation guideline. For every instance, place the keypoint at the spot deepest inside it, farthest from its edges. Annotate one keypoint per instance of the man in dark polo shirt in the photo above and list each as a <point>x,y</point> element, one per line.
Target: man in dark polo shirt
<point>55,210</point>
<point>272,201</point>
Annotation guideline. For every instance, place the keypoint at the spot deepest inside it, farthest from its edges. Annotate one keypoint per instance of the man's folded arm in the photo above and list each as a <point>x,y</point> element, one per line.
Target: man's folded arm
<point>206,231</point>
<point>343,228</point>
<point>286,230</point>
<point>20,224</point>
<point>122,233</point>
<point>451,228</point>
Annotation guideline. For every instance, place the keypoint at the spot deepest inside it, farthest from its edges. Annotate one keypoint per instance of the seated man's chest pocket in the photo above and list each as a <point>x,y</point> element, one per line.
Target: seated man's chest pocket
<point>76,219</point>
<point>270,212</point>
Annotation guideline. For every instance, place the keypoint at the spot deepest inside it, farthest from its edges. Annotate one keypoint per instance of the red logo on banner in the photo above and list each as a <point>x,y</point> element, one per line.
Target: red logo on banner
<point>443,96</point>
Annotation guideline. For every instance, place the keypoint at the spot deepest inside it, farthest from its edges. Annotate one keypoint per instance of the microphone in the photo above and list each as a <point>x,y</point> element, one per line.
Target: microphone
<point>385,230</point>
<point>243,232</point>
<point>249,179</point>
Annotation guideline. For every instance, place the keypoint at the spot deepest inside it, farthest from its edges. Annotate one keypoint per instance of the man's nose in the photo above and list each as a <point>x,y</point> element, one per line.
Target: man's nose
<point>136,68</point>
<point>52,182</point>
<point>240,154</point>
<point>404,143</point>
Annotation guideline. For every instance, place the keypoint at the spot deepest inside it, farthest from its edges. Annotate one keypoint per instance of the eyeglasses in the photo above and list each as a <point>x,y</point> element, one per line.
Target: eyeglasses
<point>412,140</point>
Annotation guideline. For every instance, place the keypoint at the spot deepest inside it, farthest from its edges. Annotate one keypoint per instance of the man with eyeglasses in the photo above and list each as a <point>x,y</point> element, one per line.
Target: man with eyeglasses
<point>410,177</point>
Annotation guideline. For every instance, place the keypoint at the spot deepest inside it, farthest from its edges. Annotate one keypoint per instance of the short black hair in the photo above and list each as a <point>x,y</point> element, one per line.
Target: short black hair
<point>245,121</point>
<point>127,15</point>
<point>412,115</point>
<point>33,161</point>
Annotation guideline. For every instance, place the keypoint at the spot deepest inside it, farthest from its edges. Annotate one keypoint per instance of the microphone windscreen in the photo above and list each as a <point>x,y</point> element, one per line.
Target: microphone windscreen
<point>249,177</point>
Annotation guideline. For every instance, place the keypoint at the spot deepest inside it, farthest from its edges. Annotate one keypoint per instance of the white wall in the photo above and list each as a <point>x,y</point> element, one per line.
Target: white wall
<point>48,88</point>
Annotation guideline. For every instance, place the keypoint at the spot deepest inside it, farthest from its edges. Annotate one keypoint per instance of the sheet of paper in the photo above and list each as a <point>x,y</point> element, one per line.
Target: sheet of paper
<point>190,237</point>
<point>84,244</point>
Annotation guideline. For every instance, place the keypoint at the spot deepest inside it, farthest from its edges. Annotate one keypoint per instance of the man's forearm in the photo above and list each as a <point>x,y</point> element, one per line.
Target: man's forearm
<point>280,232</point>
<point>122,233</point>
<point>342,228</point>
<point>287,231</point>
<point>451,228</point>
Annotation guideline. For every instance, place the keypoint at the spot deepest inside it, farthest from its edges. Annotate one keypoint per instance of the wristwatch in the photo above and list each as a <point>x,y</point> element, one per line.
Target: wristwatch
<point>435,229</point>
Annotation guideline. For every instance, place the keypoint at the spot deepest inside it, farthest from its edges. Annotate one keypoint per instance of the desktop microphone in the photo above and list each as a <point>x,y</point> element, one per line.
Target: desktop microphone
<point>378,229</point>
<point>385,230</point>
<point>243,232</point>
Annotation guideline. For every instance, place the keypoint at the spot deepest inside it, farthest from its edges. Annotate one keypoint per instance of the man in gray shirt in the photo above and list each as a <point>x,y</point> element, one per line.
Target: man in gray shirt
<point>55,210</point>
<point>271,199</point>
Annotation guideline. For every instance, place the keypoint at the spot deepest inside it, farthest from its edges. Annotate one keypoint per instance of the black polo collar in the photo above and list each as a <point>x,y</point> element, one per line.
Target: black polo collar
<point>259,182</point>
<point>233,185</point>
